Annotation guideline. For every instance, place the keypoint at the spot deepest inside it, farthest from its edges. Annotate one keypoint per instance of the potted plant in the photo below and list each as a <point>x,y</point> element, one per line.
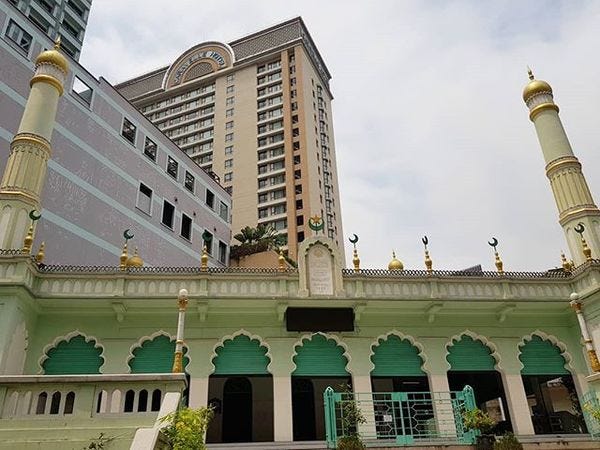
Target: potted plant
<point>508,442</point>
<point>352,417</point>
<point>186,428</point>
<point>478,420</point>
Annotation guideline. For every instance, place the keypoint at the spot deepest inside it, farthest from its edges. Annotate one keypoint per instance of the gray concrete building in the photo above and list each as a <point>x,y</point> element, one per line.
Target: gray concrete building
<point>110,170</point>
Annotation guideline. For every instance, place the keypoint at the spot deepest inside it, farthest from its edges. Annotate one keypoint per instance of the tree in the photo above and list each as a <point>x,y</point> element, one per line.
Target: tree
<point>256,240</point>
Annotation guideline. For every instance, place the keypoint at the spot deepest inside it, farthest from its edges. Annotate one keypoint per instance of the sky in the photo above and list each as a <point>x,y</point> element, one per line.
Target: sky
<point>431,132</point>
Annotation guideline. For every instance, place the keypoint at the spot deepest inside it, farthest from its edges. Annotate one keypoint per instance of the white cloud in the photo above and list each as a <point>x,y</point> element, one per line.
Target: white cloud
<point>431,133</point>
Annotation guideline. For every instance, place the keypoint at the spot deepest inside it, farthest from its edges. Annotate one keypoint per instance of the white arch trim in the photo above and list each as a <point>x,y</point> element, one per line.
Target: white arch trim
<point>151,337</point>
<point>409,338</point>
<point>334,337</point>
<point>476,337</point>
<point>67,337</point>
<point>231,337</point>
<point>554,340</point>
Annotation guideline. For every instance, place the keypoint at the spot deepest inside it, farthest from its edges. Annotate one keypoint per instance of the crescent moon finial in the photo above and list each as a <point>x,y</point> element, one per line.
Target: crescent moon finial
<point>353,239</point>
<point>425,241</point>
<point>493,243</point>
<point>33,216</point>
<point>580,228</point>
<point>127,235</point>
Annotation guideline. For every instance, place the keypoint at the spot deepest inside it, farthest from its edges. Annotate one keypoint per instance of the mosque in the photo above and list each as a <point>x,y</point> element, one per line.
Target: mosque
<point>86,350</point>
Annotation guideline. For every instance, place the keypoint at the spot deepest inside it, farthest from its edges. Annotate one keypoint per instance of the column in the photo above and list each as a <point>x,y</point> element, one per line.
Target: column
<point>281,367</point>
<point>199,369</point>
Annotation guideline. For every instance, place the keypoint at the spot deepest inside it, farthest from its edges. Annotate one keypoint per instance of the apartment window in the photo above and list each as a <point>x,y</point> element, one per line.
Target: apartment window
<point>229,101</point>
<point>228,177</point>
<point>207,239</point>
<point>298,204</point>
<point>229,112</point>
<point>229,150</point>
<point>77,8</point>
<point>228,163</point>
<point>230,89</point>
<point>168,214</point>
<point>300,236</point>
<point>19,36</point>
<point>229,125</point>
<point>210,199</point>
<point>224,212</point>
<point>230,77</point>
<point>186,227</point>
<point>222,252</point>
<point>262,198</point>
<point>298,189</point>
<point>144,199</point>
<point>150,149</point>
<point>82,90</point>
<point>296,159</point>
<point>297,174</point>
<point>172,167</point>
<point>299,220</point>
<point>189,181</point>
<point>39,20</point>
<point>47,5</point>
<point>229,137</point>
<point>128,131</point>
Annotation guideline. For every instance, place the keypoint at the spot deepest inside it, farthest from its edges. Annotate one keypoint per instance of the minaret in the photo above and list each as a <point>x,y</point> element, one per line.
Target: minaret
<point>571,192</point>
<point>25,171</point>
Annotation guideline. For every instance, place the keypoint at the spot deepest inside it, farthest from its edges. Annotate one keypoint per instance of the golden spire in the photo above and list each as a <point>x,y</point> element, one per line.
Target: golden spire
<point>395,264</point>
<point>281,260</point>
<point>530,73</point>
<point>57,43</point>
<point>39,257</point>
<point>123,258</point>
<point>428,261</point>
<point>135,260</point>
<point>204,260</point>
<point>587,252</point>
<point>356,260</point>
<point>498,262</point>
<point>566,264</point>
<point>28,241</point>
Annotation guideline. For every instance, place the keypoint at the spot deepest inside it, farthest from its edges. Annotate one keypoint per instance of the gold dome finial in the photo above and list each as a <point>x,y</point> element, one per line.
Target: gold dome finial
<point>57,43</point>
<point>497,261</point>
<point>281,260</point>
<point>204,259</point>
<point>123,258</point>
<point>395,264</point>
<point>54,57</point>
<point>530,73</point>
<point>135,260</point>
<point>566,264</point>
<point>587,251</point>
<point>428,261</point>
<point>535,87</point>
<point>355,258</point>
<point>28,241</point>
<point>39,257</point>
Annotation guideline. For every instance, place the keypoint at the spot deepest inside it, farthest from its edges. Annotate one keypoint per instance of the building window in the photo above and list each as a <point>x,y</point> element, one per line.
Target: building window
<point>299,220</point>
<point>229,125</point>
<point>297,159</point>
<point>229,137</point>
<point>300,236</point>
<point>228,177</point>
<point>207,239</point>
<point>224,212</point>
<point>210,199</point>
<point>229,101</point>
<point>19,36</point>
<point>82,90</point>
<point>222,252</point>
<point>228,163</point>
<point>129,130</point>
<point>150,149</point>
<point>189,181</point>
<point>144,199</point>
<point>229,150</point>
<point>172,167</point>
<point>186,227</point>
<point>168,213</point>
<point>230,89</point>
<point>229,190</point>
<point>229,112</point>
<point>230,77</point>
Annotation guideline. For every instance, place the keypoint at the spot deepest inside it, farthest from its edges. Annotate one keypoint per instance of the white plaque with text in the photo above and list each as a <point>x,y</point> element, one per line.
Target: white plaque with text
<point>320,271</point>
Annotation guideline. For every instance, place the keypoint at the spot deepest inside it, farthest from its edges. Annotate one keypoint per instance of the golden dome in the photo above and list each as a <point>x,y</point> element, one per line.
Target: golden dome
<point>54,57</point>
<point>535,87</point>
<point>395,264</point>
<point>135,260</point>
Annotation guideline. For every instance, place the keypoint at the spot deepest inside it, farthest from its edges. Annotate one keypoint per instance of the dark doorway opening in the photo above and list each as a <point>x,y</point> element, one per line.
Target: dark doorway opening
<point>489,394</point>
<point>553,404</point>
<point>308,405</point>
<point>237,410</point>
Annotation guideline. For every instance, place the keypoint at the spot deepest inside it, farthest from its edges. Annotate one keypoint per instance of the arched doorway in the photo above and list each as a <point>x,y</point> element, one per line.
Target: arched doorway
<point>551,395</point>
<point>397,368</point>
<point>471,363</point>
<point>75,355</point>
<point>320,362</point>
<point>241,392</point>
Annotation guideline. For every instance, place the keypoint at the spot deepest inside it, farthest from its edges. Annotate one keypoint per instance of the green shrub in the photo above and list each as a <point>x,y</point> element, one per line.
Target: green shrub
<point>476,419</point>
<point>187,428</point>
<point>350,443</point>
<point>508,442</point>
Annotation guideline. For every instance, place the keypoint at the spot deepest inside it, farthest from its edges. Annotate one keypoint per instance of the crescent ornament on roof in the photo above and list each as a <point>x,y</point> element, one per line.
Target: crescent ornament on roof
<point>127,234</point>
<point>34,215</point>
<point>493,242</point>
<point>579,228</point>
<point>425,240</point>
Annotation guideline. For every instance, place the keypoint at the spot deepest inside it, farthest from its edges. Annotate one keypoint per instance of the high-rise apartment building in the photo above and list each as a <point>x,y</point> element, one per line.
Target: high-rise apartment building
<point>64,18</point>
<point>257,114</point>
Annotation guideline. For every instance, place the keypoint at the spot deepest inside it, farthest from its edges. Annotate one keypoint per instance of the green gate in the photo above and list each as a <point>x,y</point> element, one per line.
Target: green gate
<point>591,401</point>
<point>399,418</point>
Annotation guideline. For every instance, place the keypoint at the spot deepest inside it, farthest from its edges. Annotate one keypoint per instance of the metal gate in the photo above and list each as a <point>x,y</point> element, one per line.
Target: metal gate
<point>400,418</point>
<point>591,400</point>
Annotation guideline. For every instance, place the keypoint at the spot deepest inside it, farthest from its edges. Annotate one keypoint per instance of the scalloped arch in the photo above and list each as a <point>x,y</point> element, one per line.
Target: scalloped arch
<point>309,336</point>
<point>477,337</point>
<point>67,337</point>
<point>402,336</point>
<point>231,337</point>
<point>140,342</point>
<point>552,339</point>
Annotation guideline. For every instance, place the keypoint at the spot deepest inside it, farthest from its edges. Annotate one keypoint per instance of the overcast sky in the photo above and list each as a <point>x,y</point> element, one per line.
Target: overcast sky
<point>431,132</point>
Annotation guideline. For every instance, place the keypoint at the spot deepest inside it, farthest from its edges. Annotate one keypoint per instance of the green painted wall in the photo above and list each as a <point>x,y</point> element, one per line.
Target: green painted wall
<point>320,356</point>
<point>541,357</point>
<point>241,356</point>
<point>75,356</point>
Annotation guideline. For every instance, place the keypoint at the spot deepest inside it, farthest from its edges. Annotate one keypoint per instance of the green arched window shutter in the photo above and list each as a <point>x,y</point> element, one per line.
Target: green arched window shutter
<point>468,354</point>
<point>75,356</point>
<point>155,356</point>
<point>540,357</point>
<point>241,356</point>
<point>396,357</point>
<point>320,356</point>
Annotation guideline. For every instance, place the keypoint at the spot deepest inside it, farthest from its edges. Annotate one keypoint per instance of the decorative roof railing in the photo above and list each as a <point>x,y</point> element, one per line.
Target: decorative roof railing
<point>411,273</point>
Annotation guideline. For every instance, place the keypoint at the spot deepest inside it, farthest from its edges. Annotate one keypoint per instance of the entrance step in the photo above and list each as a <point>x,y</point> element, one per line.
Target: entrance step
<point>308,445</point>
